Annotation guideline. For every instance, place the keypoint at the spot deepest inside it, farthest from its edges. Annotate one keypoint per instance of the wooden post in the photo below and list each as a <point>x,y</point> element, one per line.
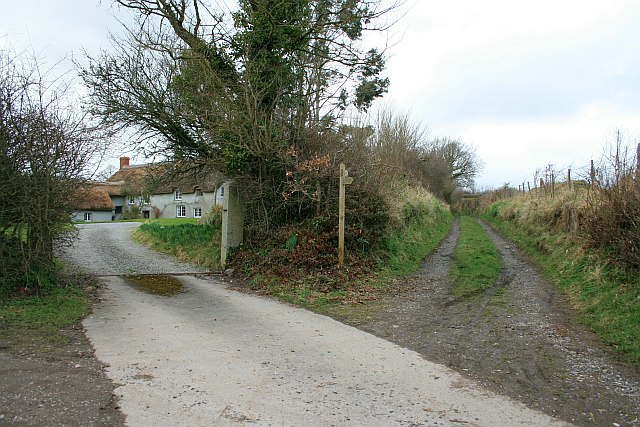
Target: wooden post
<point>593,174</point>
<point>344,181</point>
<point>569,178</point>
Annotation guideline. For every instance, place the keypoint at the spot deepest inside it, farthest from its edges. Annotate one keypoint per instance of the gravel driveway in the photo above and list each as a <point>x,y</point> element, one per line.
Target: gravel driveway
<point>213,356</point>
<point>106,249</point>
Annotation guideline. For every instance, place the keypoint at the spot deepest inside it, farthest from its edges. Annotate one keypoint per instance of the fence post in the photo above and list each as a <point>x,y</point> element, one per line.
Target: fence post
<point>593,174</point>
<point>569,178</point>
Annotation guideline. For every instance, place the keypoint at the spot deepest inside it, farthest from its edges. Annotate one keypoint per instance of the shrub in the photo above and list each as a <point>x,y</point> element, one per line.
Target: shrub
<point>406,202</point>
<point>131,212</point>
<point>612,221</point>
<point>46,147</point>
<point>213,217</point>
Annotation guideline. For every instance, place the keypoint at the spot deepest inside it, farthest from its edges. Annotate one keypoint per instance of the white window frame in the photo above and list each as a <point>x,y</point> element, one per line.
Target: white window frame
<point>181,211</point>
<point>88,216</point>
<point>197,212</point>
<point>177,194</point>
<point>132,200</point>
<point>198,192</point>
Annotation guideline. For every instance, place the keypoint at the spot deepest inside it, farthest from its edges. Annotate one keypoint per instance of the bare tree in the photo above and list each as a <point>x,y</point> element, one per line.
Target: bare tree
<point>461,161</point>
<point>46,147</point>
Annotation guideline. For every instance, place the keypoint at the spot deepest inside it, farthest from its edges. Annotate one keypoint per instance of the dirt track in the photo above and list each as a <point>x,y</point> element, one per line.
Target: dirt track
<point>517,338</point>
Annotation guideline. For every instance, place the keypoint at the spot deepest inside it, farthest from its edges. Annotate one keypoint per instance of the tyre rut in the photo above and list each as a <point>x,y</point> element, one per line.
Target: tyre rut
<point>517,338</point>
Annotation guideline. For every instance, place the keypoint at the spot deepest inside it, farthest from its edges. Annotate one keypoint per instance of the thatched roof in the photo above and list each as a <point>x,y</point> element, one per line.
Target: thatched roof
<point>92,198</point>
<point>160,178</point>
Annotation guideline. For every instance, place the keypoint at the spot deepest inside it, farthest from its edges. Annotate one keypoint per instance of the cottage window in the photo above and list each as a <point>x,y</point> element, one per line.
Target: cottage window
<point>177,194</point>
<point>132,200</point>
<point>146,200</point>
<point>181,211</point>
<point>197,212</point>
<point>87,216</point>
<point>198,192</point>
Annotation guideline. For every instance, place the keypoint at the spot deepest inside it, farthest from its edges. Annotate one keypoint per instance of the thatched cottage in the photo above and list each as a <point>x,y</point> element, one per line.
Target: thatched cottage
<point>149,191</point>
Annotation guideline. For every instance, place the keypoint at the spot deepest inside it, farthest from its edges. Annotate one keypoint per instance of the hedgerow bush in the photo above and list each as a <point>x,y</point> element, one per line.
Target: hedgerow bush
<point>611,221</point>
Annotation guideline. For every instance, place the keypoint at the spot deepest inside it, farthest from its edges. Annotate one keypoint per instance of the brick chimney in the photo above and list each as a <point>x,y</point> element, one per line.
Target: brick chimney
<point>124,161</point>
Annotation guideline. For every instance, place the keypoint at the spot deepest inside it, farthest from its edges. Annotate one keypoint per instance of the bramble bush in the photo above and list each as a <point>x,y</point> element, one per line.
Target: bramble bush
<point>611,220</point>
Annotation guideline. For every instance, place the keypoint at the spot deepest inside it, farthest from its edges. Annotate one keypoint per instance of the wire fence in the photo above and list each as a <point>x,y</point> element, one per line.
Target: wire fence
<point>607,172</point>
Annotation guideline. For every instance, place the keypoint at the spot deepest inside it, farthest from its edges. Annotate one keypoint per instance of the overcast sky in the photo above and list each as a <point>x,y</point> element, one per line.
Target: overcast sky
<point>527,83</point>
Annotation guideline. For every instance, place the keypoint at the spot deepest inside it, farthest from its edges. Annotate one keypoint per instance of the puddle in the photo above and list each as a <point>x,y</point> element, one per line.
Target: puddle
<point>156,284</point>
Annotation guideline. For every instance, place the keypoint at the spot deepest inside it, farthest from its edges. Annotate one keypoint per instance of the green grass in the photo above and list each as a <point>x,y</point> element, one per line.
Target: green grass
<point>476,262</point>
<point>42,315</point>
<point>605,298</point>
<point>62,307</point>
<point>188,241</point>
<point>405,250</point>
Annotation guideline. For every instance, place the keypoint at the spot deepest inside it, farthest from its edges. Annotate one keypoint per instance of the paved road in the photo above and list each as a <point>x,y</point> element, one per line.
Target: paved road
<point>212,356</point>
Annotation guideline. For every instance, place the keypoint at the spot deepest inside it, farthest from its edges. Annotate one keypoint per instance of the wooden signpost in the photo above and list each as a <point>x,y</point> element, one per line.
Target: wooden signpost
<point>344,181</point>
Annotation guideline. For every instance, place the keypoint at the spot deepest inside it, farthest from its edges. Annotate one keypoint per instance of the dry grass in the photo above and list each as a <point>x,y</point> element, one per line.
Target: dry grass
<point>405,202</point>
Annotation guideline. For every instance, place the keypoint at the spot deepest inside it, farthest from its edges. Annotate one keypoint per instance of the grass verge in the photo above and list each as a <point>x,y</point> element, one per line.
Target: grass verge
<point>404,251</point>
<point>191,242</point>
<point>606,298</point>
<point>476,263</point>
<point>25,320</point>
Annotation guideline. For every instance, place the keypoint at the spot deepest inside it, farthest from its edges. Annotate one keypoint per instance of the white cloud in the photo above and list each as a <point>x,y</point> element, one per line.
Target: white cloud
<point>513,151</point>
<point>526,82</point>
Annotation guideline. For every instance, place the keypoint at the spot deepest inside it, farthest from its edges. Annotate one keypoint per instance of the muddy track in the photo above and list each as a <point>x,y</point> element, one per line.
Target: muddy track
<point>516,338</point>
